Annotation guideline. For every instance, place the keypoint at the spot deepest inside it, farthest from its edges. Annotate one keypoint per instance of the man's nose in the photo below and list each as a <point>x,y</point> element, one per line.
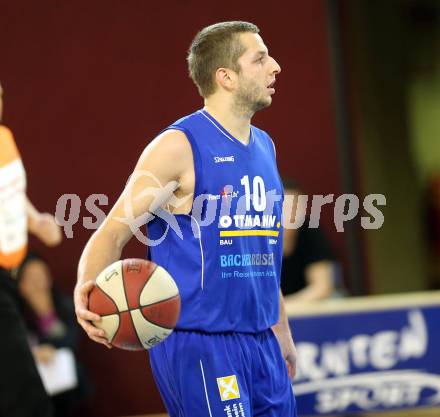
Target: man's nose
<point>276,67</point>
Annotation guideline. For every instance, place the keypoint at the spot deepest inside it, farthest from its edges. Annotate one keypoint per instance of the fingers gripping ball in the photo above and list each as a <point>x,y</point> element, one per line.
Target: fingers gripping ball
<point>138,301</point>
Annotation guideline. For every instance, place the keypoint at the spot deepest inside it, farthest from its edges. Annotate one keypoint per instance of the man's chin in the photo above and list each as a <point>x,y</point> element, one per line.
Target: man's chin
<point>260,105</point>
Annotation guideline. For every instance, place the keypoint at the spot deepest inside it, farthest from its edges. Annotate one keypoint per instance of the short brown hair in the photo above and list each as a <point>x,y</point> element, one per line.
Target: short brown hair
<point>214,47</point>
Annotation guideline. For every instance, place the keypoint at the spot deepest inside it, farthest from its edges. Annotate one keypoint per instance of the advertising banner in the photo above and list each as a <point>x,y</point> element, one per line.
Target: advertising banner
<point>367,361</point>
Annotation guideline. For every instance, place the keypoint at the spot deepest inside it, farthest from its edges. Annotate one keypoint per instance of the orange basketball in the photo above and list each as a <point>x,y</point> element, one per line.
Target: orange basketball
<point>138,301</point>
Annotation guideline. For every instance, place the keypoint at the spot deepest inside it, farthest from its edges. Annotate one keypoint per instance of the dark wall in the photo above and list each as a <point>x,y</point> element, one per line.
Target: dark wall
<point>89,84</point>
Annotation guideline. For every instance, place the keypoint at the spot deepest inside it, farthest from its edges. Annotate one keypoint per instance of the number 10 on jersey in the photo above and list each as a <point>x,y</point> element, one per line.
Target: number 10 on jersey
<point>257,194</point>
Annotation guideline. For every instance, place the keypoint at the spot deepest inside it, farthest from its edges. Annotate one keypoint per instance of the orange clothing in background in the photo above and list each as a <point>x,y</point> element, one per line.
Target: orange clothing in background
<point>13,216</point>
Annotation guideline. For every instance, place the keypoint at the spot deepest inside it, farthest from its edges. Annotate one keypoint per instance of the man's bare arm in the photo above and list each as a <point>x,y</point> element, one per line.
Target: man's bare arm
<point>285,339</point>
<point>163,162</point>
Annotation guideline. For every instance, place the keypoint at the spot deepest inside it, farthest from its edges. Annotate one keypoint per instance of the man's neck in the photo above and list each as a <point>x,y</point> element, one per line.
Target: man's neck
<point>239,125</point>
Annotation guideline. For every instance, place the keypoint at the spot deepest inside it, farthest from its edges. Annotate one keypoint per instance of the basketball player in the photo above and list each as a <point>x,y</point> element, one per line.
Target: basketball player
<point>232,352</point>
<point>21,391</point>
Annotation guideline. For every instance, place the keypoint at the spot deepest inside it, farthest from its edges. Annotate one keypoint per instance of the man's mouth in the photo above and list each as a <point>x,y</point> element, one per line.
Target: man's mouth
<point>271,88</point>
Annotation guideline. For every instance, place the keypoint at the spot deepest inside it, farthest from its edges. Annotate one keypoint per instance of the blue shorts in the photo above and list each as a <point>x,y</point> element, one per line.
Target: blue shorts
<point>222,375</point>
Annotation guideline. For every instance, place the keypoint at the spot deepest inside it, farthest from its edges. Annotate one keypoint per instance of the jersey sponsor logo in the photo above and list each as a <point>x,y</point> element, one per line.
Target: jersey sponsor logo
<point>228,388</point>
<point>225,193</point>
<point>234,410</point>
<point>222,159</point>
<point>249,274</point>
<point>247,259</point>
<point>247,220</point>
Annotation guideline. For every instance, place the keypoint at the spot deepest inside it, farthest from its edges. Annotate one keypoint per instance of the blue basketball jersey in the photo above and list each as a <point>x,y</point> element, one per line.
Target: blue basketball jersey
<point>225,256</point>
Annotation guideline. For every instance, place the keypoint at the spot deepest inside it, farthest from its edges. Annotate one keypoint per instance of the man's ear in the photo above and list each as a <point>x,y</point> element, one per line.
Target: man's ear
<point>226,78</point>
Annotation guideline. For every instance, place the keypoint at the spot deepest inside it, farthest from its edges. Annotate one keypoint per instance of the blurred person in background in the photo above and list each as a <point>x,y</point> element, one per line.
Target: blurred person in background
<point>310,271</point>
<point>50,319</point>
<point>21,391</point>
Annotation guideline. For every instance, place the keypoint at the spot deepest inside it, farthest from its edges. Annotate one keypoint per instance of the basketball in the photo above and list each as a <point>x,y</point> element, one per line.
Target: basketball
<point>138,301</point>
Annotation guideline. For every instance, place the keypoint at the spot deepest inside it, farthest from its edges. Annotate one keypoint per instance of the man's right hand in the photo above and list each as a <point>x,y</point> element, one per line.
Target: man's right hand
<point>84,316</point>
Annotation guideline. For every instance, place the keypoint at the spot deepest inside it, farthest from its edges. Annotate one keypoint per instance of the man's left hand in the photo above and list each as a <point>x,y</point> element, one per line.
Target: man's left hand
<point>287,346</point>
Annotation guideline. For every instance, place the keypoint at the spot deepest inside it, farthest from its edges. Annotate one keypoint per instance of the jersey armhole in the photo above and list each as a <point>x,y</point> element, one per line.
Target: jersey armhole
<point>197,160</point>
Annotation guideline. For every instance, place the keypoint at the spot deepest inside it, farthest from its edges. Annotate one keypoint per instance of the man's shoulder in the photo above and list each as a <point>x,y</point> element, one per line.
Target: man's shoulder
<point>264,139</point>
<point>186,120</point>
<point>262,135</point>
<point>260,132</point>
<point>172,143</point>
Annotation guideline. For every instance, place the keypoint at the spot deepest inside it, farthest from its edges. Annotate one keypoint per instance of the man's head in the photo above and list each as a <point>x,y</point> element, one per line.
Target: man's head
<point>231,56</point>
